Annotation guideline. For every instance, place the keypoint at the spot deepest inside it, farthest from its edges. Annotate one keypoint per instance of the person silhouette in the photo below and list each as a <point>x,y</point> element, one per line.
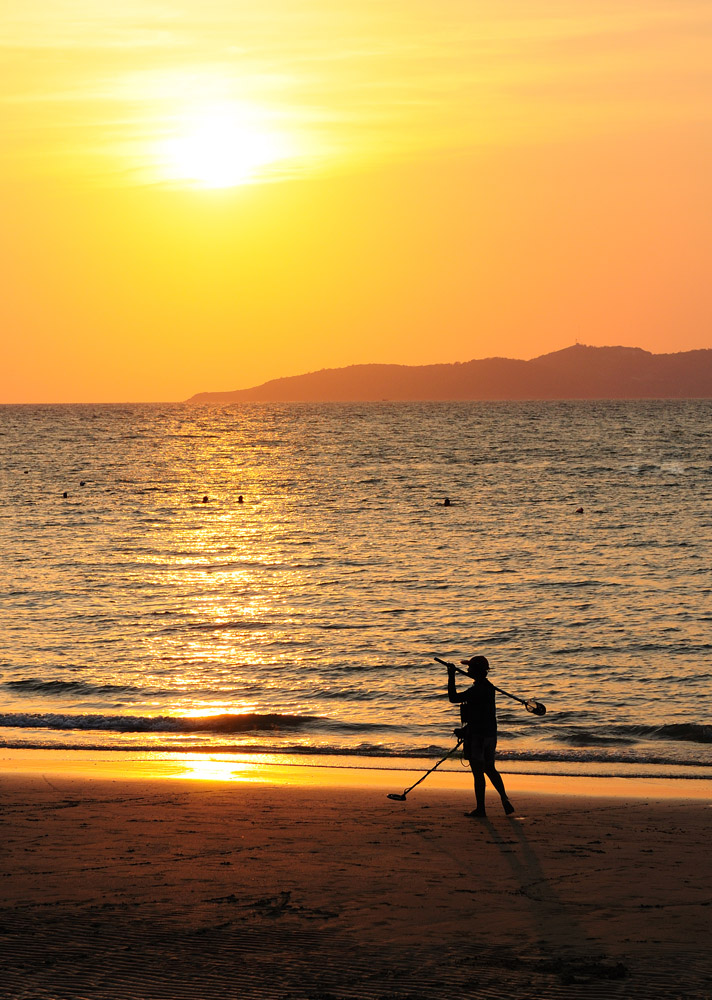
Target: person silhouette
<point>479,714</point>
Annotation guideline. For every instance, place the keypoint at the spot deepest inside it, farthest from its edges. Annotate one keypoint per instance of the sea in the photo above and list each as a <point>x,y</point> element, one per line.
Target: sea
<point>273,581</point>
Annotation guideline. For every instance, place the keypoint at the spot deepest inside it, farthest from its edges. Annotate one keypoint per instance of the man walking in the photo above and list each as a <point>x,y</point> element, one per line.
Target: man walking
<point>478,713</point>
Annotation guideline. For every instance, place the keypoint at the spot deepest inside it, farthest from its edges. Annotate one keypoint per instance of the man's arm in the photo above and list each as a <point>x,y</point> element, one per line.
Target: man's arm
<point>452,692</point>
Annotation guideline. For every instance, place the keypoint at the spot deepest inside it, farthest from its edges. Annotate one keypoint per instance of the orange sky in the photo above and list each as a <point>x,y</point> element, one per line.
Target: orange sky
<point>204,194</point>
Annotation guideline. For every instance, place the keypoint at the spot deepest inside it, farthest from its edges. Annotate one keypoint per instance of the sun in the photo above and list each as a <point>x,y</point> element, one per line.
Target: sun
<point>221,146</point>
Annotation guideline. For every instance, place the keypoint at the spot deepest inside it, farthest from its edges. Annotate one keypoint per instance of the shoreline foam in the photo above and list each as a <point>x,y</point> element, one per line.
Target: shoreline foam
<point>275,769</point>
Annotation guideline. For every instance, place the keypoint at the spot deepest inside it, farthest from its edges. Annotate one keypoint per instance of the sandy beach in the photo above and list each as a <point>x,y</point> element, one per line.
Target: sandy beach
<point>119,887</point>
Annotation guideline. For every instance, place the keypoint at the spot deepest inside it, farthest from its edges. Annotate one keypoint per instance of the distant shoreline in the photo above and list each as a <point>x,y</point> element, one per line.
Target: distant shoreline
<point>358,402</point>
<point>574,374</point>
<point>578,372</point>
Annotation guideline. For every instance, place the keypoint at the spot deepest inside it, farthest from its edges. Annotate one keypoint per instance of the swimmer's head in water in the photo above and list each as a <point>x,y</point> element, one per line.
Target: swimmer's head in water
<point>477,666</point>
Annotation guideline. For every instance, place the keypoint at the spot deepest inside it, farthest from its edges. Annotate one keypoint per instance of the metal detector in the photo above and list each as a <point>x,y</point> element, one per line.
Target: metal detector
<point>535,707</point>
<point>402,796</point>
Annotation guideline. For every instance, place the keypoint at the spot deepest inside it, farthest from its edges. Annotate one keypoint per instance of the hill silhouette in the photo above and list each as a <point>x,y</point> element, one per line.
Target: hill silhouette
<point>577,372</point>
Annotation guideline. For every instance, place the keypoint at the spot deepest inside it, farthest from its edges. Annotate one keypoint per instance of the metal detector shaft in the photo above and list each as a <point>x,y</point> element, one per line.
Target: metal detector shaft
<point>535,707</point>
<point>433,768</point>
<point>465,674</point>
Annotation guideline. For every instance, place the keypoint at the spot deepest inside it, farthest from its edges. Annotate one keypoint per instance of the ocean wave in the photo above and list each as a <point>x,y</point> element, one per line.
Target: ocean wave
<point>342,626</point>
<point>240,625</point>
<point>37,686</point>
<point>588,756</point>
<point>633,647</point>
<point>683,732</point>
<point>156,723</point>
<point>676,732</point>
<point>587,739</point>
<point>222,567</point>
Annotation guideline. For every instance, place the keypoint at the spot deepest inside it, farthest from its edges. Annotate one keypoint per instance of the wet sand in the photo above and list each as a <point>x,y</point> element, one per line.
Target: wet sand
<point>133,887</point>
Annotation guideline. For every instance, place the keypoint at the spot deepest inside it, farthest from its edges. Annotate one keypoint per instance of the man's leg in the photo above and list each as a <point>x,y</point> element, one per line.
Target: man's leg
<point>496,778</point>
<point>478,774</point>
<point>490,745</point>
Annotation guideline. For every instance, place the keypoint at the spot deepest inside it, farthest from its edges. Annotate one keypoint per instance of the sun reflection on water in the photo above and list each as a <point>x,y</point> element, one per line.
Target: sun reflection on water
<point>214,710</point>
<point>223,564</point>
<point>199,768</point>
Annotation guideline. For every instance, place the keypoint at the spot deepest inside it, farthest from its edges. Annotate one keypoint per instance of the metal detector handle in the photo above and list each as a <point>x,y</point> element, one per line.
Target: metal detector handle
<point>452,665</point>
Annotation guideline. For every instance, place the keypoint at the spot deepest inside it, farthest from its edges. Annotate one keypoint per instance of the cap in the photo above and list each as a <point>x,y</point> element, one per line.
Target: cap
<point>480,662</point>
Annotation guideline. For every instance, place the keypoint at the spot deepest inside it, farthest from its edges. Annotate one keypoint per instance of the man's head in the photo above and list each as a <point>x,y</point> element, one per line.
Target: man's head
<point>477,667</point>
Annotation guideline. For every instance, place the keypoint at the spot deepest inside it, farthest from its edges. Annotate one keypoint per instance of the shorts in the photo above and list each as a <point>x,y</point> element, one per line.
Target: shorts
<point>480,749</point>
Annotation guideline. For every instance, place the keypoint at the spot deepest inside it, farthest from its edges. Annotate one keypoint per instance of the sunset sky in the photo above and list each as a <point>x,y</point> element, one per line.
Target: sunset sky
<point>205,194</point>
